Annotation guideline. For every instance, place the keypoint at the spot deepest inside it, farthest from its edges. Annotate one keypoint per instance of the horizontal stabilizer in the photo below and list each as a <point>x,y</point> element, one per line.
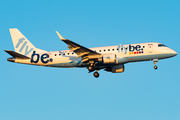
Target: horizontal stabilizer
<point>16,55</point>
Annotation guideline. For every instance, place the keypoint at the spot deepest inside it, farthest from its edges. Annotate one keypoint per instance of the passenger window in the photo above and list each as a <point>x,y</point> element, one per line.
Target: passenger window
<point>55,54</point>
<point>112,49</point>
<point>72,53</point>
<point>59,54</point>
<point>117,49</point>
<point>104,50</point>
<point>68,53</point>
<point>99,50</point>
<point>108,49</point>
<point>121,48</point>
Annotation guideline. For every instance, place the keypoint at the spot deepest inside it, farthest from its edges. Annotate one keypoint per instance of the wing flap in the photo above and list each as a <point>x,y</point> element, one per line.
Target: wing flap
<point>73,49</point>
<point>82,54</point>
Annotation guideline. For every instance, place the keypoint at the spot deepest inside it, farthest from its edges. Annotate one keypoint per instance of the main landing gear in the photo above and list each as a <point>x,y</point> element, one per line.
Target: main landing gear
<point>96,74</point>
<point>155,61</point>
<point>90,67</point>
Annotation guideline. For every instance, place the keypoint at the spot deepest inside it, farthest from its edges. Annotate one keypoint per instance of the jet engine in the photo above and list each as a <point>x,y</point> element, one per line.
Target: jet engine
<point>115,69</point>
<point>106,59</point>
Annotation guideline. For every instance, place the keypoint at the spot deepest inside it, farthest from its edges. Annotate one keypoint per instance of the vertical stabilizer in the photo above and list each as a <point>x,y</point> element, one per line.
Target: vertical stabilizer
<point>21,44</point>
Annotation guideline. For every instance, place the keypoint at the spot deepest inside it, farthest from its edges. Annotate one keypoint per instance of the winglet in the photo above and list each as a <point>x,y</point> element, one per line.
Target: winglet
<point>60,36</point>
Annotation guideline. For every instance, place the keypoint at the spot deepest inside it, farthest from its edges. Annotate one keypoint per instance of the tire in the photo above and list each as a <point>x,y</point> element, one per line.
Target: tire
<point>90,68</point>
<point>155,67</point>
<point>96,74</point>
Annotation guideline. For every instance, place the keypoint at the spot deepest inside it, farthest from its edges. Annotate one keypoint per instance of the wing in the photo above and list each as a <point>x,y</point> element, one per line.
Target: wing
<point>83,52</point>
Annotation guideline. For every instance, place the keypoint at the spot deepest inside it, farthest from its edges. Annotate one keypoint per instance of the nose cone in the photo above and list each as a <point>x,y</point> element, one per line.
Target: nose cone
<point>174,53</point>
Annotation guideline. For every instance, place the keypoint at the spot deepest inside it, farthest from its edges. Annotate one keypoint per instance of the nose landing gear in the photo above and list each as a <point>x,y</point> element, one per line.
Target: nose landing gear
<point>155,61</point>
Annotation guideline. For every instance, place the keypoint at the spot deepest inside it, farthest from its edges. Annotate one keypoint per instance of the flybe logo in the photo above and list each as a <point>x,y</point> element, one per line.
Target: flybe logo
<point>135,49</point>
<point>44,58</point>
<point>23,46</point>
<point>138,49</point>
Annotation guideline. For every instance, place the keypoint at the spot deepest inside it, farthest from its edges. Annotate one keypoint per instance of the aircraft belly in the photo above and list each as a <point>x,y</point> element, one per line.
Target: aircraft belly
<point>74,64</point>
<point>67,62</point>
<point>122,60</point>
<point>147,57</point>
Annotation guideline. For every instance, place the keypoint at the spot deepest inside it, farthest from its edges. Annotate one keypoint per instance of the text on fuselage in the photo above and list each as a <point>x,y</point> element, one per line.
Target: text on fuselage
<point>44,58</point>
<point>138,49</point>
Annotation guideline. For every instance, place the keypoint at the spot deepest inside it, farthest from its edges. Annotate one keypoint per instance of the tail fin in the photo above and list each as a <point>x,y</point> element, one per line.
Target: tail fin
<point>21,44</point>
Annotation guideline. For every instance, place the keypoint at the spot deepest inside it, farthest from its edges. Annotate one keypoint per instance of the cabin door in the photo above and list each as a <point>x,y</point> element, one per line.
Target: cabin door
<point>150,48</point>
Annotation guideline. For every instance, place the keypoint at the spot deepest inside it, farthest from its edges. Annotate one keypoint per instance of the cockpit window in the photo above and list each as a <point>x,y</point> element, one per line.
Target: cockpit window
<point>161,45</point>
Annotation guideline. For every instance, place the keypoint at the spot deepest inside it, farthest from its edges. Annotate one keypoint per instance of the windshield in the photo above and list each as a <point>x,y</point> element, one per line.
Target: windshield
<point>161,45</point>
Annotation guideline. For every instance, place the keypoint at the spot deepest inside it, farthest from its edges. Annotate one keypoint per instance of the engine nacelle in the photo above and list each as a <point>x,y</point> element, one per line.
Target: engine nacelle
<point>106,59</point>
<point>115,69</point>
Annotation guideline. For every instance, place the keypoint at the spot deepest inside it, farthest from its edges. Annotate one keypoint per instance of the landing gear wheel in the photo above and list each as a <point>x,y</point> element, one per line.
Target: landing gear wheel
<point>155,67</point>
<point>155,61</point>
<point>96,74</point>
<point>90,68</point>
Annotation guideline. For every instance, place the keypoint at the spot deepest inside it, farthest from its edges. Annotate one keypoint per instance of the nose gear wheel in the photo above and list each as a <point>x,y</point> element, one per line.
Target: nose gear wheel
<point>155,67</point>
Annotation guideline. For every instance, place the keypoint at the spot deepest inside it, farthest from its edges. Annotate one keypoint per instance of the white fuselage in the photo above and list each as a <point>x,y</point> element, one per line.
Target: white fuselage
<point>124,54</point>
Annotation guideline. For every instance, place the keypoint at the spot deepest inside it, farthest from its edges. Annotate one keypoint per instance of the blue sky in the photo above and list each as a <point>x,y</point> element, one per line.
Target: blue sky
<point>140,93</point>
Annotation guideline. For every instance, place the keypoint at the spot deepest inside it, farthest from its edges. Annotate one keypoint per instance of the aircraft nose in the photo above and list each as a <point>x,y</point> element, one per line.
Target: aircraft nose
<point>174,53</point>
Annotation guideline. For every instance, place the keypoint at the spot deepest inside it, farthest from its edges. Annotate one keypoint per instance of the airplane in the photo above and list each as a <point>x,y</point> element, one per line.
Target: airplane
<point>109,58</point>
